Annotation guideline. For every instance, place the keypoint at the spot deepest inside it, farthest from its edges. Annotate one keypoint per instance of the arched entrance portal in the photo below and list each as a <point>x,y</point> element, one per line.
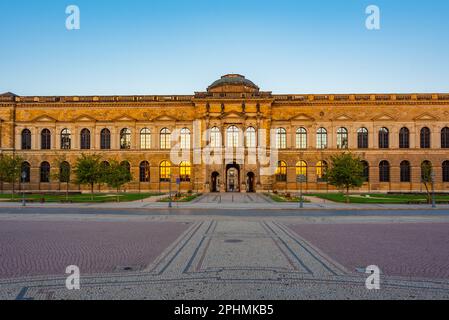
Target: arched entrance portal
<point>251,181</point>
<point>232,178</point>
<point>215,182</point>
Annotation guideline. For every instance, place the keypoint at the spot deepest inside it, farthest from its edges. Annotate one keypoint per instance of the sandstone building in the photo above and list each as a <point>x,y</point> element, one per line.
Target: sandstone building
<point>393,134</point>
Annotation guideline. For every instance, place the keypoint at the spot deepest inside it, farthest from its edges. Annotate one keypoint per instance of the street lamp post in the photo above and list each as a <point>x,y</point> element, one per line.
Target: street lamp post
<point>170,205</point>
<point>24,175</point>
<point>434,205</point>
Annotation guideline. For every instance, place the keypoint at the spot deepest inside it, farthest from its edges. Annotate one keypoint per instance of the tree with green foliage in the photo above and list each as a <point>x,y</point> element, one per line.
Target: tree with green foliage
<point>345,172</point>
<point>426,178</point>
<point>88,171</point>
<point>117,175</point>
<point>10,170</point>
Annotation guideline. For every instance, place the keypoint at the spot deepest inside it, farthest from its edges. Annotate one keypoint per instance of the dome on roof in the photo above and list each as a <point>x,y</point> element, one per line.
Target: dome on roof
<point>233,83</point>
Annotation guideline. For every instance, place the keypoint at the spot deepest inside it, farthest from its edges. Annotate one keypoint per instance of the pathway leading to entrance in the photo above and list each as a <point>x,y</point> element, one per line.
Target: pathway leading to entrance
<point>228,198</point>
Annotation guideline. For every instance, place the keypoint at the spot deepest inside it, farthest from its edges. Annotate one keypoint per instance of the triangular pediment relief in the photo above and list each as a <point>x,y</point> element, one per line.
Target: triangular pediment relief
<point>302,117</point>
<point>125,118</point>
<point>44,118</point>
<point>425,117</point>
<point>85,118</point>
<point>164,118</point>
<point>232,114</point>
<point>343,117</point>
<point>384,117</point>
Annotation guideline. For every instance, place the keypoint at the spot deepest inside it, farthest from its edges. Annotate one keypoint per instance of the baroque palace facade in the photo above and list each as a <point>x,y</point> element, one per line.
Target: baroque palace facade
<point>393,134</point>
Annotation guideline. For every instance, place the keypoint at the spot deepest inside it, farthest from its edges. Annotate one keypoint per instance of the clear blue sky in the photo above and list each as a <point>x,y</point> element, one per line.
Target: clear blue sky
<point>181,46</point>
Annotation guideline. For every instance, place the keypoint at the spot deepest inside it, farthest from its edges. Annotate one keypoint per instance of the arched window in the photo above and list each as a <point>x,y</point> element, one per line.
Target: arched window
<point>215,137</point>
<point>405,171</point>
<point>426,171</point>
<point>45,139</point>
<point>232,137</point>
<point>105,139</point>
<point>281,172</point>
<point>25,172</point>
<point>321,138</point>
<point>66,139</point>
<point>384,171</point>
<point>342,138</point>
<point>301,169</point>
<point>384,138</point>
<point>281,138</point>
<point>165,171</point>
<point>251,138</point>
<point>362,138</point>
<point>185,171</point>
<point>365,173</point>
<point>144,171</point>
<point>185,138</point>
<point>301,138</point>
<point>446,171</point>
<point>45,172</point>
<point>145,139</point>
<point>26,139</point>
<point>404,138</point>
<point>321,171</point>
<point>125,139</point>
<point>106,165</point>
<point>425,138</point>
<point>126,165</point>
<point>445,138</point>
<point>165,139</point>
<point>64,172</point>
<point>85,139</point>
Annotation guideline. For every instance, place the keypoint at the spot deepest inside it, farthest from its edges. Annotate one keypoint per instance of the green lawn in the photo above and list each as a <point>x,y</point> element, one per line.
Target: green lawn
<point>283,198</point>
<point>182,198</point>
<point>379,198</point>
<point>80,198</point>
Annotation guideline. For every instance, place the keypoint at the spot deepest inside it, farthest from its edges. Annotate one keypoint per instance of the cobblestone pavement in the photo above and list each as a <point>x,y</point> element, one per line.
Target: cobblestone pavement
<point>401,249</point>
<point>228,257</point>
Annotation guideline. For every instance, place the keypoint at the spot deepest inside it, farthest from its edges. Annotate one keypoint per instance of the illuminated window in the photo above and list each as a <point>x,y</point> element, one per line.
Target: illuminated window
<point>165,171</point>
<point>301,169</point>
<point>185,171</point>
<point>281,138</point>
<point>185,138</point>
<point>251,138</point>
<point>125,139</point>
<point>232,137</point>
<point>281,172</point>
<point>342,138</point>
<point>321,170</point>
<point>165,139</point>
<point>321,138</point>
<point>301,138</point>
<point>66,140</point>
<point>145,139</point>
<point>215,137</point>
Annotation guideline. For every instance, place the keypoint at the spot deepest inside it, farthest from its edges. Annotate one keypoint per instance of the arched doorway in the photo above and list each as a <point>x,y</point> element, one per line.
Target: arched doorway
<point>215,181</point>
<point>233,178</point>
<point>250,182</point>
